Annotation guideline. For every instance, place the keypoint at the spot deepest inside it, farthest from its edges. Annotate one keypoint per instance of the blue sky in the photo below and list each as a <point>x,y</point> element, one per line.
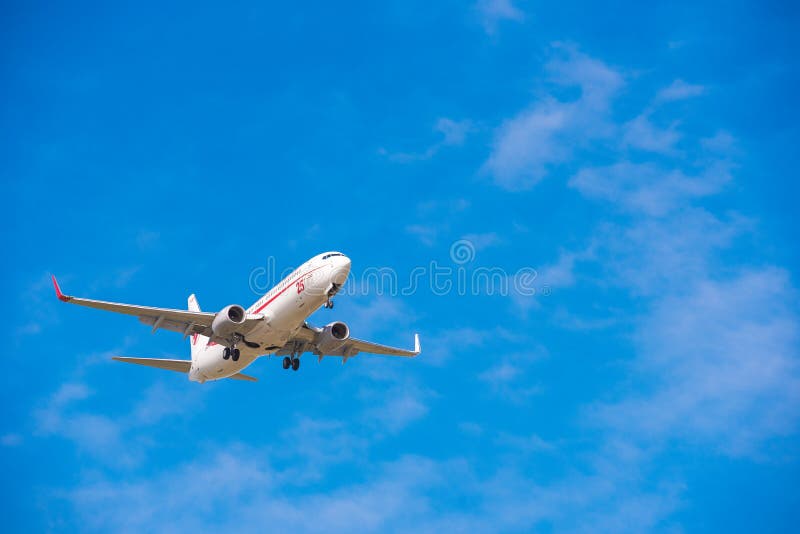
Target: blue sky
<point>641,159</point>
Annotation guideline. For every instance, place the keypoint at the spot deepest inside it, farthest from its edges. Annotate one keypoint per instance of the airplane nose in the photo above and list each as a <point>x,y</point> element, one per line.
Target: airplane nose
<point>341,269</point>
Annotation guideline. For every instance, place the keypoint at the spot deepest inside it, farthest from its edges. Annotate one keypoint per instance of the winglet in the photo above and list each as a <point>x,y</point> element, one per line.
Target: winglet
<point>61,296</point>
<point>417,347</point>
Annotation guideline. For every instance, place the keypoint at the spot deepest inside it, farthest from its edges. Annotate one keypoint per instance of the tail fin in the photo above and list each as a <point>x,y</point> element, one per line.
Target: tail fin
<point>197,341</point>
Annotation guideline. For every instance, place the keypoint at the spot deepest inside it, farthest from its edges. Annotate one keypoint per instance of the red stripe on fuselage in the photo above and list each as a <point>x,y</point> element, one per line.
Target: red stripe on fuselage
<point>288,285</point>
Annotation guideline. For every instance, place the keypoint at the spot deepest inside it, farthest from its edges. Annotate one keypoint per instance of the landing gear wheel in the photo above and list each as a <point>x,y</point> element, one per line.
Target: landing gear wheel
<point>235,355</point>
<point>329,304</point>
<point>295,364</point>
<point>287,362</point>
<point>226,353</point>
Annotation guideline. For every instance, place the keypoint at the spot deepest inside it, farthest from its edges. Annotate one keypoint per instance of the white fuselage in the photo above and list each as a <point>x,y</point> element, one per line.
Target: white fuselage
<point>285,308</point>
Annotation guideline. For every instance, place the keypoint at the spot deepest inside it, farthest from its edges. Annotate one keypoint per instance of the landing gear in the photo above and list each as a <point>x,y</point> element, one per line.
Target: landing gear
<point>291,361</point>
<point>230,353</point>
<point>331,292</point>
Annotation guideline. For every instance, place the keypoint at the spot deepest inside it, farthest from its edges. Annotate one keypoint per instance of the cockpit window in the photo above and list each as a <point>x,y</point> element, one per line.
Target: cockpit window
<point>326,256</point>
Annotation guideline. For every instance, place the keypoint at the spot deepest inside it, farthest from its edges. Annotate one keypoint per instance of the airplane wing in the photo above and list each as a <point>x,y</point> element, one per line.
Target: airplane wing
<point>305,340</point>
<point>181,366</point>
<point>186,322</point>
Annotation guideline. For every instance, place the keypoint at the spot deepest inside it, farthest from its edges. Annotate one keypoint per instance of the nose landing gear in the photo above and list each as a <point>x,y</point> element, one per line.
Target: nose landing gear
<point>331,292</point>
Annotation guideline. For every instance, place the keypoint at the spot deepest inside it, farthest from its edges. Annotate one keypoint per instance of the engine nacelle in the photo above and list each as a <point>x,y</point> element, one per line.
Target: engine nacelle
<point>332,337</point>
<point>228,320</point>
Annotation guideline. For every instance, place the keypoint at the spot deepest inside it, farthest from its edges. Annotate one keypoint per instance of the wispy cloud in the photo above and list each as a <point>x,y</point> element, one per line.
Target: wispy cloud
<point>720,354</point>
<point>436,219</point>
<point>98,435</point>
<point>647,188</point>
<point>511,378</point>
<point>426,233</point>
<point>441,346</point>
<point>112,439</point>
<point>397,407</point>
<point>640,133</point>
<point>527,146</point>
<point>37,308</point>
<point>484,240</point>
<point>654,254</point>
<point>719,345</point>
<point>409,493</point>
<point>492,12</point>
<point>453,133</point>
<point>11,440</point>
<point>679,90</point>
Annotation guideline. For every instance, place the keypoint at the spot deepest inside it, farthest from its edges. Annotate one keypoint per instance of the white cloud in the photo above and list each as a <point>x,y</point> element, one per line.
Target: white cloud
<point>679,90</point>
<point>716,360</point>
<point>426,233</point>
<point>527,146</point>
<point>646,188</point>
<point>492,12</point>
<point>597,81</point>
<point>398,408</point>
<point>652,256</point>
<point>313,445</point>
<point>116,279</point>
<point>721,143</point>
<point>561,273</point>
<point>159,402</point>
<point>409,493</point>
<point>11,440</point>
<point>37,309</point>
<point>529,444</point>
<point>447,207</point>
<point>642,134</point>
<point>454,133</point>
<point>529,288</point>
<point>723,357</point>
<point>112,439</point>
<point>440,347</point>
<point>484,240</point>
<point>511,378</point>
<point>98,435</point>
<point>438,216</point>
<point>368,315</point>
<point>500,373</point>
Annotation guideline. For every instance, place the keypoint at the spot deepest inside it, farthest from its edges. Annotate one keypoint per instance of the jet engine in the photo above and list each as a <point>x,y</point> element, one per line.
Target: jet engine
<point>228,320</point>
<point>332,337</point>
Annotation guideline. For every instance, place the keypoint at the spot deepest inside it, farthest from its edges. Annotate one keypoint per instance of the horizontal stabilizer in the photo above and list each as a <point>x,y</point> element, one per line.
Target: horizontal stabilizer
<point>182,366</point>
<point>240,376</point>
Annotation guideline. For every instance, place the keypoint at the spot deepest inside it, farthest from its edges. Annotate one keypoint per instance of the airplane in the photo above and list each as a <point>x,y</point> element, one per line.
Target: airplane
<point>224,343</point>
